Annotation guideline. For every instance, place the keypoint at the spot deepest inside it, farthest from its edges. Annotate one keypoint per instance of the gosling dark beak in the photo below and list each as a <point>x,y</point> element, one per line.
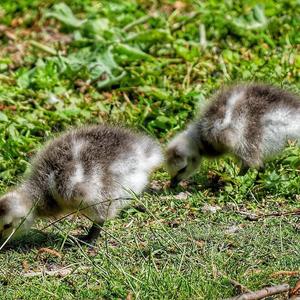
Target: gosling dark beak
<point>174,182</point>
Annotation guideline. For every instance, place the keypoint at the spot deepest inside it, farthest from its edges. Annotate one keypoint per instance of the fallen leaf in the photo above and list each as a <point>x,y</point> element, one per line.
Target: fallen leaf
<point>284,273</point>
<point>129,296</point>
<point>179,5</point>
<point>182,195</point>
<point>49,251</point>
<point>296,290</point>
<point>156,185</point>
<point>184,184</point>
<point>233,229</point>
<point>16,22</point>
<point>25,266</point>
<point>92,251</point>
<point>60,272</point>
<point>7,107</point>
<point>3,28</point>
<point>10,35</point>
<point>200,243</point>
<point>206,208</point>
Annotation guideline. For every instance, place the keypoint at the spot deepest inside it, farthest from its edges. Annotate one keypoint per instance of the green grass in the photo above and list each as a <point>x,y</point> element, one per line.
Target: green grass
<point>141,63</point>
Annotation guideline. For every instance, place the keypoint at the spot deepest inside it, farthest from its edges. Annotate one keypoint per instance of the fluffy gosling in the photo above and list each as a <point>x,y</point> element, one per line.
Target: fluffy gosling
<point>251,121</point>
<point>93,170</point>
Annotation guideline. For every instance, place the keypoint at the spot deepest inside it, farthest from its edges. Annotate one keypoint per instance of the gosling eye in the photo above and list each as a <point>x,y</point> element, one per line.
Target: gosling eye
<point>6,226</point>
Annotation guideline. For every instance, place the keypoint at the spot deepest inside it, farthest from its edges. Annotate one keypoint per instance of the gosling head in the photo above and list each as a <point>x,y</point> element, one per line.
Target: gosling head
<point>182,158</point>
<point>15,214</point>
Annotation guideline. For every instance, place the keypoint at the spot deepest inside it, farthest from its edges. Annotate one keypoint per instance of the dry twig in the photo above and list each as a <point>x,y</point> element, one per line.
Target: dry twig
<point>268,291</point>
<point>240,288</point>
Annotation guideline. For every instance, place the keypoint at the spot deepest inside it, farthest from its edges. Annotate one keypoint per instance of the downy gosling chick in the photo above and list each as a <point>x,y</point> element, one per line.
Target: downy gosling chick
<point>251,121</point>
<point>93,170</point>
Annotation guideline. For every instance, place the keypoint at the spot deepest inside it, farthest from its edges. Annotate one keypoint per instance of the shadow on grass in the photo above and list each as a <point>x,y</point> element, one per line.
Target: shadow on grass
<point>212,182</point>
<point>35,239</point>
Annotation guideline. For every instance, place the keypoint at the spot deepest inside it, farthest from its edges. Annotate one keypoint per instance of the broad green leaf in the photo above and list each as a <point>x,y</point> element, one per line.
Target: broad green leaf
<point>110,81</point>
<point>64,14</point>
<point>98,26</point>
<point>106,65</point>
<point>24,79</point>
<point>256,19</point>
<point>13,132</point>
<point>131,52</point>
<point>3,117</point>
